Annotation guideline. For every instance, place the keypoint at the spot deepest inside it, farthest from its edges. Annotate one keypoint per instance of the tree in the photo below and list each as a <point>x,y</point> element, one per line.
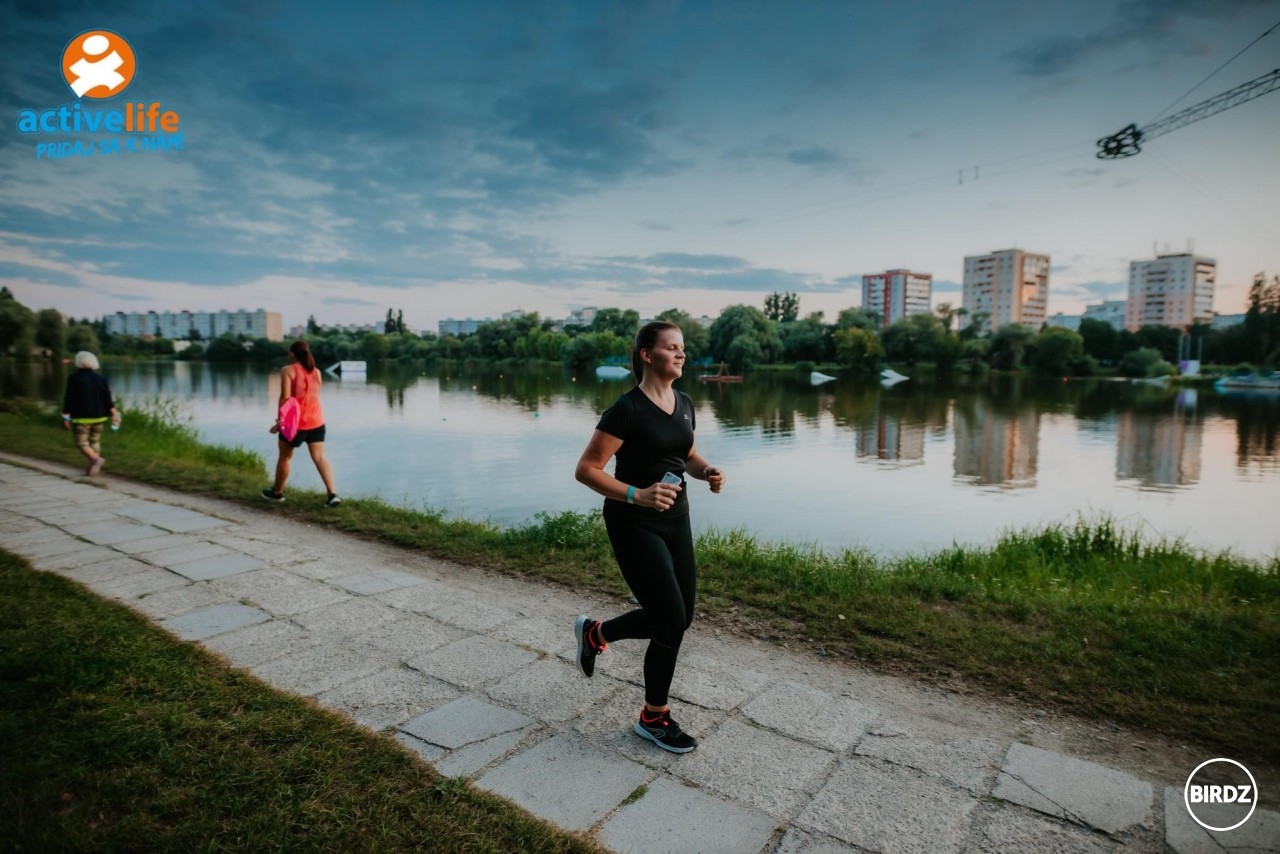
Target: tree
<point>782,307</point>
<point>51,331</point>
<point>1057,351</point>
<point>947,314</point>
<point>375,346</point>
<point>400,321</point>
<point>389,325</point>
<point>624,324</point>
<point>313,328</point>
<point>1009,346</point>
<point>82,337</point>
<point>225,348</point>
<point>17,324</point>
<point>920,338</point>
<point>1100,340</point>
<point>807,339</point>
<point>1162,338</point>
<point>858,348</point>
<point>743,336</point>
<point>857,318</point>
<point>977,326</point>
<point>1144,362</point>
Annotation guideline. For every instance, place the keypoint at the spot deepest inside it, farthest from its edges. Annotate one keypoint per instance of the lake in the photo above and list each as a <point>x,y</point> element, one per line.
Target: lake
<point>896,470</point>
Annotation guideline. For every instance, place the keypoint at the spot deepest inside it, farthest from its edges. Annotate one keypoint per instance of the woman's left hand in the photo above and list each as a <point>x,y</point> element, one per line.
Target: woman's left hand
<point>715,478</point>
<point>275,428</point>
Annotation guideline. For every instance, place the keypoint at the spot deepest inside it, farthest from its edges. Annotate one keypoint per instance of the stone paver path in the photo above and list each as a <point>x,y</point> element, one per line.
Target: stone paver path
<point>473,672</point>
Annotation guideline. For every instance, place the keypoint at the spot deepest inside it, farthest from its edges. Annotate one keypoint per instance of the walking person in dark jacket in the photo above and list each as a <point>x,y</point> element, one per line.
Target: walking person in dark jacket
<point>86,408</point>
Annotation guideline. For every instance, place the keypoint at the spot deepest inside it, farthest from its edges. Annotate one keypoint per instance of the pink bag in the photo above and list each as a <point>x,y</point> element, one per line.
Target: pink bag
<point>291,412</point>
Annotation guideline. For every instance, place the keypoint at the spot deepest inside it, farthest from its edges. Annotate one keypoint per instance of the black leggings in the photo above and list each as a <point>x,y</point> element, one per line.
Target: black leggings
<point>656,558</point>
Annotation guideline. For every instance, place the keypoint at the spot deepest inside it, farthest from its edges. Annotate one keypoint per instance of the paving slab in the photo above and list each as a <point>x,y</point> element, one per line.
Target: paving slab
<point>182,553</point>
<point>610,726</point>
<point>119,533</point>
<point>473,616</point>
<point>799,842</point>
<point>551,690</point>
<point>715,685</point>
<point>139,584</point>
<point>187,524</point>
<point>51,542</point>
<point>1071,788</point>
<point>386,698</point>
<point>757,767</point>
<point>1261,832</point>
<point>408,637</point>
<point>549,636</point>
<point>33,538</point>
<point>1004,828</point>
<point>318,668</point>
<point>470,760</point>
<point>214,620</point>
<point>279,592</point>
<point>263,642</point>
<point>377,581</point>
<point>352,615</point>
<point>216,567</point>
<point>674,818</point>
<point>155,544</point>
<point>86,555</point>
<point>422,598</point>
<point>812,715</point>
<point>464,721</point>
<point>179,601</point>
<point>886,808</point>
<point>942,750</point>
<point>472,662</point>
<point>565,782</point>
<point>107,570</point>
<point>429,752</point>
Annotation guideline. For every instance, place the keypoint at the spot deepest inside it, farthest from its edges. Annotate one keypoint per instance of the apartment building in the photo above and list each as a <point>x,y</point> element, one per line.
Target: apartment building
<point>895,294</point>
<point>1171,290</point>
<point>1007,286</point>
<point>208,324</point>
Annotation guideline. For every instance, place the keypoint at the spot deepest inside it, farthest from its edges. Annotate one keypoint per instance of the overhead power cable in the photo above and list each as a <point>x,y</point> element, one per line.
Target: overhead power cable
<point>1274,27</point>
<point>1128,141</point>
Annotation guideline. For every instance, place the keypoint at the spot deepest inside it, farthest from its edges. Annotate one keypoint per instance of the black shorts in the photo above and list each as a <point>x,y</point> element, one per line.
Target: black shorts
<point>308,436</point>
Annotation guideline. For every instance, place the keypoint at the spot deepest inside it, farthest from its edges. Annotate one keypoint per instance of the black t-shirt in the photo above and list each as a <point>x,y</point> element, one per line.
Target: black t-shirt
<point>653,443</point>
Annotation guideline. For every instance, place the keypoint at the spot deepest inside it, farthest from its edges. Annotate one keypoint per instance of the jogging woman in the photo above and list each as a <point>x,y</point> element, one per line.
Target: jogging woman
<point>302,378</point>
<point>650,431</point>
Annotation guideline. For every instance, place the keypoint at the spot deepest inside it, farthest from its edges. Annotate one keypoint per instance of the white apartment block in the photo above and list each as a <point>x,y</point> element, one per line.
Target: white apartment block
<point>459,327</point>
<point>1008,286</point>
<point>895,294</point>
<point>1171,290</point>
<point>1110,311</point>
<point>1066,321</point>
<point>209,324</point>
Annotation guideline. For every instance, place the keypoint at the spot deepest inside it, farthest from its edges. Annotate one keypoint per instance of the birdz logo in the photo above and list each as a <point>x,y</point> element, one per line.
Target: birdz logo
<point>1220,794</point>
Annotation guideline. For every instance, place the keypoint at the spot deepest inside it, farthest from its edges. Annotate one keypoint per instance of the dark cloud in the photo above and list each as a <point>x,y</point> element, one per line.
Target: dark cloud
<point>1148,22</point>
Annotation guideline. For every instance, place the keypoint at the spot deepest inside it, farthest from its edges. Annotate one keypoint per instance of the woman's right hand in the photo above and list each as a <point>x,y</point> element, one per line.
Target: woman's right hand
<point>275,428</point>
<point>660,496</point>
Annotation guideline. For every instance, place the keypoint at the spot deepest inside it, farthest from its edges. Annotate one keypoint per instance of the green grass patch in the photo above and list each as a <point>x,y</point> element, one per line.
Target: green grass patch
<point>116,737</point>
<point>1090,618</point>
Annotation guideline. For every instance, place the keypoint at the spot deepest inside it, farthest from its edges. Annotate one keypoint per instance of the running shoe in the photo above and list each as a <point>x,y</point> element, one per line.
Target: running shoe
<point>333,500</point>
<point>664,732</point>
<point>588,647</point>
<point>271,495</point>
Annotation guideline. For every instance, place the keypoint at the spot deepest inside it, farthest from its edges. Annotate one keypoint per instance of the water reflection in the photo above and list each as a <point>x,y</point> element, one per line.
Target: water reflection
<point>1210,463</point>
<point>1159,448</point>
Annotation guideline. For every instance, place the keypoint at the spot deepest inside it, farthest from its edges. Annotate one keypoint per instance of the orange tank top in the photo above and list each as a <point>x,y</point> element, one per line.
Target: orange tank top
<point>306,387</point>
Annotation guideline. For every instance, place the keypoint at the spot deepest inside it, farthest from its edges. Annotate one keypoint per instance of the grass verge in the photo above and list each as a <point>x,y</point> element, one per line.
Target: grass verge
<point>116,737</point>
<point>1089,618</point>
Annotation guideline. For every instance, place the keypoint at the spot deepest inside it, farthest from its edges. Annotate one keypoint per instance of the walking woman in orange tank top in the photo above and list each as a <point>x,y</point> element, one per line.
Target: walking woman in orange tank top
<point>301,379</point>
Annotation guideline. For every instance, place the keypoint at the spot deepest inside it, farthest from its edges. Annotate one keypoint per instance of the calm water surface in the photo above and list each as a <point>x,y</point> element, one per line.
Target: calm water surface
<point>844,464</point>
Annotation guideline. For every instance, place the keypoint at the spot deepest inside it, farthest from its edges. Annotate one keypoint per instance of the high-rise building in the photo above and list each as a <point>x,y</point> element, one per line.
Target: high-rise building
<point>208,324</point>
<point>1171,290</point>
<point>1008,286</point>
<point>1110,311</point>
<point>895,294</point>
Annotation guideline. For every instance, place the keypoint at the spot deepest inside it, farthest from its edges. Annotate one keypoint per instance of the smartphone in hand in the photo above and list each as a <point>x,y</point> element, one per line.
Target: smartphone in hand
<point>673,479</point>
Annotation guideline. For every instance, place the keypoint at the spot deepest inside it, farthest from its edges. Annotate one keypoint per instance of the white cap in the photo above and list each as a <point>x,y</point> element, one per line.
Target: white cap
<point>85,359</point>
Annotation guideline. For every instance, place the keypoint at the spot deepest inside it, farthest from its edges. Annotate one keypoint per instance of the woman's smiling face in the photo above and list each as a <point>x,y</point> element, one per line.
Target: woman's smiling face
<point>666,356</point>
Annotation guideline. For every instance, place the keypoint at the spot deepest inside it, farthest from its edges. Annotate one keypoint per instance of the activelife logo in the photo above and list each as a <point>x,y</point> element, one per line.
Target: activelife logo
<point>97,65</point>
<point>1220,794</point>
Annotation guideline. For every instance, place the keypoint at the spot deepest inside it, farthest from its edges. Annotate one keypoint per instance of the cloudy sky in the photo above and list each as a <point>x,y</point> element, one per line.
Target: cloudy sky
<point>464,159</point>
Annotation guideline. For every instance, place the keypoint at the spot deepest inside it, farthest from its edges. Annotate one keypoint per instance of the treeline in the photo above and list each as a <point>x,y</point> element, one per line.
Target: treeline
<point>743,336</point>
